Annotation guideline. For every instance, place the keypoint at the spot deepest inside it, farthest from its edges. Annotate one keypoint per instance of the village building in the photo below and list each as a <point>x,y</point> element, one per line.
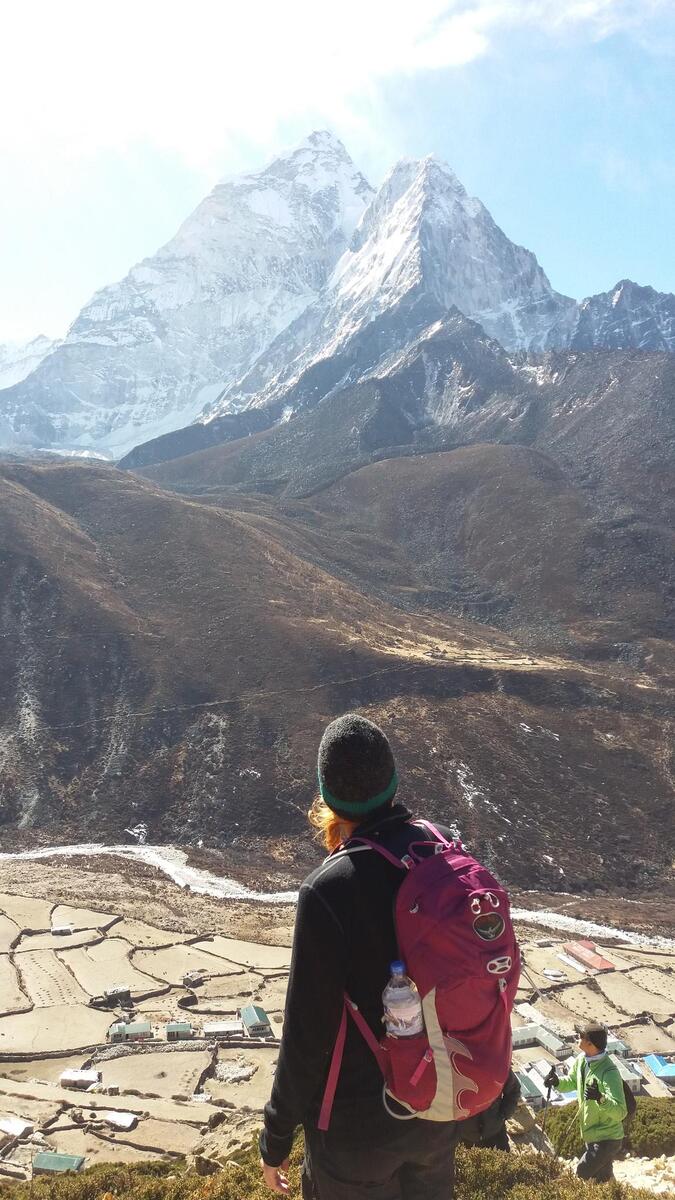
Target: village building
<point>628,1075</point>
<point>616,1046</point>
<point>179,1031</point>
<point>256,1021</point>
<point>537,1083</point>
<point>130,1031</point>
<point>49,1163</point>
<point>585,953</point>
<point>662,1068</point>
<point>79,1079</point>
<point>122,1120</point>
<point>531,1095</point>
<point>222,1029</point>
<point>536,1035</point>
<point>194,978</point>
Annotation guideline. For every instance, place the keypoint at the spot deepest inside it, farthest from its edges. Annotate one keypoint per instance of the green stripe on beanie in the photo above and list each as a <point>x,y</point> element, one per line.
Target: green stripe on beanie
<point>356,768</point>
<point>360,806</point>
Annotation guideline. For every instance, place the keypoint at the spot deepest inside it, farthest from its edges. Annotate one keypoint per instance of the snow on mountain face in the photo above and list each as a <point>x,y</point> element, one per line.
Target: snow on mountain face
<point>422,235</point>
<point>146,354</point>
<point>423,229</point>
<point>18,359</point>
<point>288,283</point>
<point>628,317</point>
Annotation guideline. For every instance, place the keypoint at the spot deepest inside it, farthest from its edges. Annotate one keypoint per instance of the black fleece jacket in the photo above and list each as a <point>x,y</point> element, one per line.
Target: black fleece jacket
<point>344,941</point>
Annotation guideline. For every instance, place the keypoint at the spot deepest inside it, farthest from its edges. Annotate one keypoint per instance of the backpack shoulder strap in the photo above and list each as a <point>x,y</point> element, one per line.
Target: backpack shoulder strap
<point>367,844</point>
<point>338,1050</point>
<point>433,830</point>
<point>405,862</point>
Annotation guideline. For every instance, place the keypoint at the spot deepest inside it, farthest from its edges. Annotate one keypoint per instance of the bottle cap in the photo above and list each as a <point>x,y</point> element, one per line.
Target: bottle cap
<point>397,968</point>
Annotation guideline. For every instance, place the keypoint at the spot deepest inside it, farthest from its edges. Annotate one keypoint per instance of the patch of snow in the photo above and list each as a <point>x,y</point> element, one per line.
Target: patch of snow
<point>169,860</point>
<point>173,862</point>
<point>18,359</point>
<point>472,793</point>
<point>68,452</point>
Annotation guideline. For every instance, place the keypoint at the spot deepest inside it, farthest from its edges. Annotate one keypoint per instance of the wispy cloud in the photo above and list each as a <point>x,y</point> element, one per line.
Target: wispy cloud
<point>193,78</point>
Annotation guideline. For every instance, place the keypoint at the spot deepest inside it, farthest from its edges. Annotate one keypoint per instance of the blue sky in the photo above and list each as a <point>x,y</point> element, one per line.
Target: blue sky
<point>559,114</point>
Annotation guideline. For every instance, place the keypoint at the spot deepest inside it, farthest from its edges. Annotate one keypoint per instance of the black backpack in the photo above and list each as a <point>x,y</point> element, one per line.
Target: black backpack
<point>631,1102</point>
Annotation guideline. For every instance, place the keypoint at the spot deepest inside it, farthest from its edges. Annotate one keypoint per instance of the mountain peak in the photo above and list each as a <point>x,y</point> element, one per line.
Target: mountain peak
<point>437,171</point>
<point>325,139</point>
<point>146,354</point>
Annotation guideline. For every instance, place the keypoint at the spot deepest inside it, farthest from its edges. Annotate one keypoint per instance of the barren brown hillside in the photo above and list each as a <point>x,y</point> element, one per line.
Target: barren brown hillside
<point>494,533</point>
<point>169,661</point>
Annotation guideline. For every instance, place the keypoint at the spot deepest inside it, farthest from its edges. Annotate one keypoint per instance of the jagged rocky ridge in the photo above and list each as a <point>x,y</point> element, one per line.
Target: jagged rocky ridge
<point>270,281</point>
<point>423,249</point>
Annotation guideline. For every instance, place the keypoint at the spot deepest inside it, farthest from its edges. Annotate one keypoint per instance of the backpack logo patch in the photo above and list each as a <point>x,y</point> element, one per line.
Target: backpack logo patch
<point>489,926</point>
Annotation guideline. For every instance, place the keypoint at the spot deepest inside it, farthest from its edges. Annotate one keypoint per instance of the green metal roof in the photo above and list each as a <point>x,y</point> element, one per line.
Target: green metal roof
<point>178,1027</point>
<point>46,1160</point>
<point>527,1086</point>
<point>131,1027</point>
<point>252,1014</point>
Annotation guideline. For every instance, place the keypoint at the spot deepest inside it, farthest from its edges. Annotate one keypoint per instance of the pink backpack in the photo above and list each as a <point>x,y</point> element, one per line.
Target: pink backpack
<point>455,936</point>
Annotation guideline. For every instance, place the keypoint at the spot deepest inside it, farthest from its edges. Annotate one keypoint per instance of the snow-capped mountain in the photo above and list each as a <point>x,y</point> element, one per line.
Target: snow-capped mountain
<point>288,283</point>
<point>628,317</point>
<point>18,359</point>
<point>424,241</point>
<point>422,235</point>
<point>146,354</point>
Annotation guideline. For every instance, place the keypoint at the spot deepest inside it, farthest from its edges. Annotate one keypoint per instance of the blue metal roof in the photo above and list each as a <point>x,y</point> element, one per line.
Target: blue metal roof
<point>660,1066</point>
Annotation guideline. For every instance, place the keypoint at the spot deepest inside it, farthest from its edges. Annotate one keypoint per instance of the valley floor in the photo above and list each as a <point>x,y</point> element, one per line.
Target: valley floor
<point>132,925</point>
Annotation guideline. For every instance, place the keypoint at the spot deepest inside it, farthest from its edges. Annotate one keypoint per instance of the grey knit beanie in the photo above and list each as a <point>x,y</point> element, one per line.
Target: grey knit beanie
<point>357,772</point>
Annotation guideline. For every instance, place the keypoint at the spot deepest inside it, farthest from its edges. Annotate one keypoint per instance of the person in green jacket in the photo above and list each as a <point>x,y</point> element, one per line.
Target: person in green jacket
<point>602,1107</point>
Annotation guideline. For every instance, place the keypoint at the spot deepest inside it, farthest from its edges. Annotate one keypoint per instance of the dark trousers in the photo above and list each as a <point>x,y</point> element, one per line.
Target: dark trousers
<point>596,1161</point>
<point>412,1161</point>
<point>498,1141</point>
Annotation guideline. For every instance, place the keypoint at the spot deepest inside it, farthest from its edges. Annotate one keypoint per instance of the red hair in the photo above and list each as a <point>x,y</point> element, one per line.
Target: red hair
<point>331,830</point>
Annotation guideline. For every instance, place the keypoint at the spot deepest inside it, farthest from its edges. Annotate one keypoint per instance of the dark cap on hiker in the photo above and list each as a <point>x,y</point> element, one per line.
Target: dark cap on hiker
<point>357,772</point>
<point>595,1033</point>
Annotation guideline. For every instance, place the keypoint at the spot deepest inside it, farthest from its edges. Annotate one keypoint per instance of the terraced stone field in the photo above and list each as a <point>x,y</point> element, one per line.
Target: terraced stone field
<point>61,1026</point>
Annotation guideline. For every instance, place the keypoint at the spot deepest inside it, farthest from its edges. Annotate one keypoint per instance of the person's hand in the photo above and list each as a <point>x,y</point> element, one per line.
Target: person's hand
<point>276,1177</point>
<point>552,1079</point>
<point>593,1090</point>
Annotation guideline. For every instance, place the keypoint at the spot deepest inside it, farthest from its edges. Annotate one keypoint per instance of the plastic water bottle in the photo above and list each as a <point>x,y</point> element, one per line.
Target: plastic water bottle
<point>403,1016</point>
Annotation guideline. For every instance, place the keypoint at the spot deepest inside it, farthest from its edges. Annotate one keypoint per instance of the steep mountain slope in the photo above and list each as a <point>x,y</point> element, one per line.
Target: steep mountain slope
<point>422,236</point>
<point>607,417</point>
<point>627,317</point>
<point>146,353</point>
<point>18,359</point>
<point>277,281</point>
<point>167,660</point>
<point>577,538</point>
<point>423,250</point>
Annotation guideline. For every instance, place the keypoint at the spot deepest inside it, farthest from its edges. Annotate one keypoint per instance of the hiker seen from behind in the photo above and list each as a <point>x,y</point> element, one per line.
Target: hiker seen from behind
<point>403,975</point>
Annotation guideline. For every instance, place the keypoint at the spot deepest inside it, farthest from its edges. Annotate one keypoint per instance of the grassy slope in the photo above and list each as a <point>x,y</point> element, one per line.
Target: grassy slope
<point>481,1175</point>
<point>651,1132</point>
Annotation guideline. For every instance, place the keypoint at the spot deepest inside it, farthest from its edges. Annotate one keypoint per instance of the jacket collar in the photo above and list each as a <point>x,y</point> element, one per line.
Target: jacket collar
<point>373,826</point>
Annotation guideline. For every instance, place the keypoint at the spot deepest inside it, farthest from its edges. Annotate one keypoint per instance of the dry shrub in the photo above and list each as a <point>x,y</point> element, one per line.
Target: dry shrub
<point>481,1175</point>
